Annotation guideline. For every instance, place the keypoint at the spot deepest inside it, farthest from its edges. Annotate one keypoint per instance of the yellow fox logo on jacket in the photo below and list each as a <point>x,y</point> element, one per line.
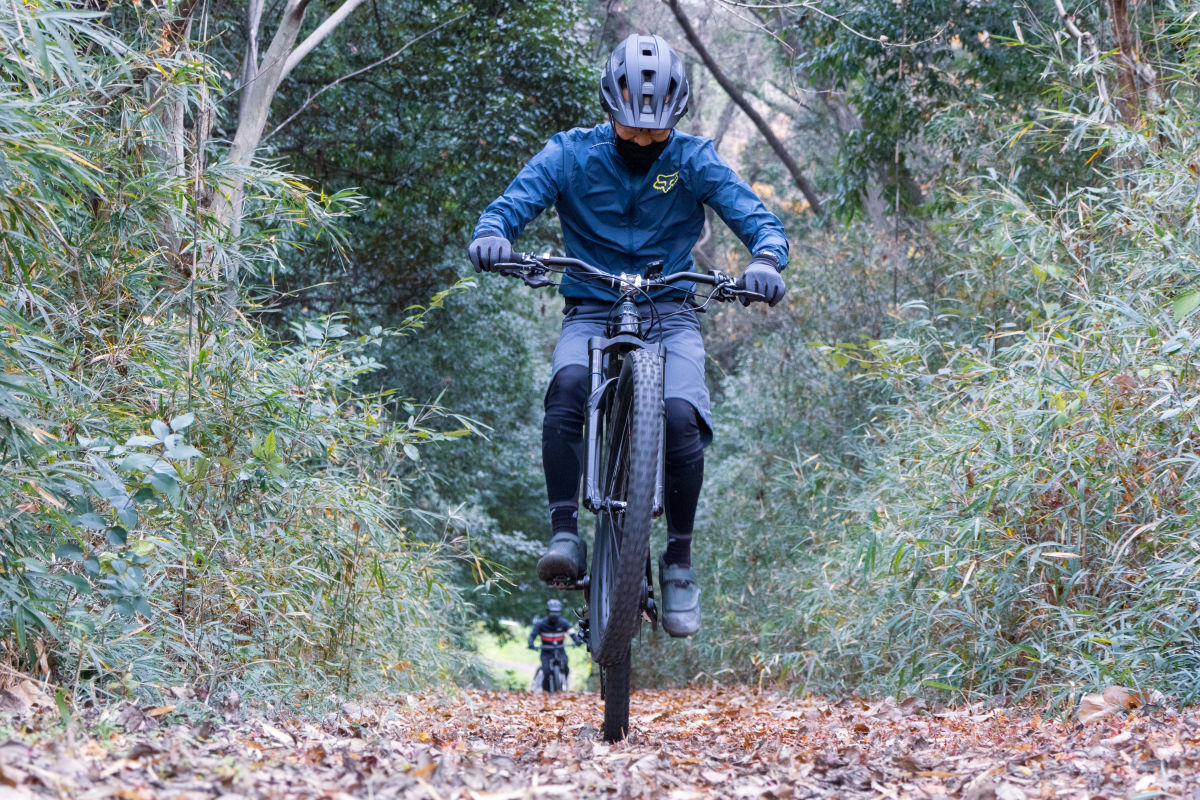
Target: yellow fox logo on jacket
<point>665,182</point>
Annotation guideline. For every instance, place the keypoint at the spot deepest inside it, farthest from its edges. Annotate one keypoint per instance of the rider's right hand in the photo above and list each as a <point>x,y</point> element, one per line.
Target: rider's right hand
<point>488,251</point>
<point>762,277</point>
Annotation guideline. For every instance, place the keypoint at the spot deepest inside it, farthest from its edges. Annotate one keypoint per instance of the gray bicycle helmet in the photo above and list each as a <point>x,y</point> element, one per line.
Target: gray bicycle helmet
<point>653,74</point>
<point>554,606</point>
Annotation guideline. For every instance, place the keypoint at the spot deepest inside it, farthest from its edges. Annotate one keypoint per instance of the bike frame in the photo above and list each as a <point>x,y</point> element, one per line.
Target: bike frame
<point>606,352</point>
<point>558,661</point>
<point>604,356</point>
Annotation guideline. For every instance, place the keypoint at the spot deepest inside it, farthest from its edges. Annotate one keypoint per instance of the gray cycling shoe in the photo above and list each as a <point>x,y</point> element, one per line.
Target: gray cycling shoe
<point>565,558</point>
<point>680,599</point>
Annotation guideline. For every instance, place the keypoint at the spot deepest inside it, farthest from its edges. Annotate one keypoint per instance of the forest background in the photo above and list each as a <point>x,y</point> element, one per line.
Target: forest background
<point>264,432</point>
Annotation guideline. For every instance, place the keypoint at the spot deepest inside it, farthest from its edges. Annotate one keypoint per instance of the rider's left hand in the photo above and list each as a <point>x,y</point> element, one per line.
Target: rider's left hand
<point>489,250</point>
<point>762,277</point>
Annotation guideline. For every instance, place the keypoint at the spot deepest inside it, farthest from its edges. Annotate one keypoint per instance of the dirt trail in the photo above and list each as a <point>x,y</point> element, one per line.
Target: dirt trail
<point>690,743</point>
<point>519,669</point>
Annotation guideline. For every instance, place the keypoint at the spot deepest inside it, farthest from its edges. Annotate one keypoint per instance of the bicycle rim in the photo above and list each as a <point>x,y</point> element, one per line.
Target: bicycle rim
<point>622,542</point>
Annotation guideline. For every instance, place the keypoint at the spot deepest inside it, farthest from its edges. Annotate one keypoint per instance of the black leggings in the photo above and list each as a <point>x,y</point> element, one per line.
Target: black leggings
<point>549,656</point>
<point>562,452</point>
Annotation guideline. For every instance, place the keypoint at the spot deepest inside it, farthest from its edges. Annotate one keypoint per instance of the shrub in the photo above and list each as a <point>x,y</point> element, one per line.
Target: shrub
<point>188,499</point>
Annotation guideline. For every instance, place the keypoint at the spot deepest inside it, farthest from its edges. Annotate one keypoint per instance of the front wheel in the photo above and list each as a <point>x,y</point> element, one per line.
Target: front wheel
<point>558,681</point>
<point>614,684</point>
<point>622,543</point>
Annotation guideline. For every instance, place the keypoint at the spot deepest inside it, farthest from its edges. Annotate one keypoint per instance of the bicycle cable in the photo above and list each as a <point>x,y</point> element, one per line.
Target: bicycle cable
<point>655,318</point>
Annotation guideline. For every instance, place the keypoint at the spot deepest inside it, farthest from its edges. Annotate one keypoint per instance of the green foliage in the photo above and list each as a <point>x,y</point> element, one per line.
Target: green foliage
<point>932,84</point>
<point>486,355</point>
<point>430,136</point>
<point>188,499</point>
<point>1017,514</point>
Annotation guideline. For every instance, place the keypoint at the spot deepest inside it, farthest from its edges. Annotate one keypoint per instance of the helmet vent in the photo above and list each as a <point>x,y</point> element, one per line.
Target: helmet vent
<point>644,85</point>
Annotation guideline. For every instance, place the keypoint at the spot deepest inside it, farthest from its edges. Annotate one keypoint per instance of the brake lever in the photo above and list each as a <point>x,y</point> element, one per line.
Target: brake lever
<point>533,273</point>
<point>536,281</point>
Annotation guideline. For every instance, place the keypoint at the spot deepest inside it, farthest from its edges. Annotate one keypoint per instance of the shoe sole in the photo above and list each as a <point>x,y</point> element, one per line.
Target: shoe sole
<point>677,634</point>
<point>551,568</point>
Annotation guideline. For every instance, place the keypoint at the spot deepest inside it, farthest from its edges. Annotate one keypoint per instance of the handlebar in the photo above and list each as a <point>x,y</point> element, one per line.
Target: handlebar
<point>533,269</point>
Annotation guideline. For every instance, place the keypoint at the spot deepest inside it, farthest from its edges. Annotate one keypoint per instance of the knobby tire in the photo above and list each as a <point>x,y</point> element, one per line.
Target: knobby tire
<point>622,543</point>
<point>615,688</point>
<point>556,679</point>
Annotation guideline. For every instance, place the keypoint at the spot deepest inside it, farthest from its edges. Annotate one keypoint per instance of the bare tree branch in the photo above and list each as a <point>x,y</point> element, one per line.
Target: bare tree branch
<point>738,97</point>
<point>813,7</point>
<point>319,35</point>
<point>308,100</point>
<point>1087,40</point>
<point>250,60</point>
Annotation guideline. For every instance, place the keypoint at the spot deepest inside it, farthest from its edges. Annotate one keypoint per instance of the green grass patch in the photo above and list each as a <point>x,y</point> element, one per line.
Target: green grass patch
<point>503,654</point>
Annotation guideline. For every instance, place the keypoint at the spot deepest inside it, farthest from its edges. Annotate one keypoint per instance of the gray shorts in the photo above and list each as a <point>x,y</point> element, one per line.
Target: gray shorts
<point>680,335</point>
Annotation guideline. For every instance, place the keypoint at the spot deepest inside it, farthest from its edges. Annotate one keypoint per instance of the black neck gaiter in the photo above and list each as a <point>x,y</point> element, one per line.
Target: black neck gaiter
<point>639,157</point>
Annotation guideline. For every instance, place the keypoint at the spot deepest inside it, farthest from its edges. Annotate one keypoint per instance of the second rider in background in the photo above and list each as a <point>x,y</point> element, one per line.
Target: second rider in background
<point>552,630</point>
<point>631,192</point>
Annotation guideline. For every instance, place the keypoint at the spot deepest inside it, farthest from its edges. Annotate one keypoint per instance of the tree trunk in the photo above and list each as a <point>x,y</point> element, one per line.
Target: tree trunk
<point>738,97</point>
<point>260,82</point>
<point>170,102</point>
<point>258,89</point>
<point>622,26</point>
<point>1127,93</point>
<point>1135,80</point>
<point>723,123</point>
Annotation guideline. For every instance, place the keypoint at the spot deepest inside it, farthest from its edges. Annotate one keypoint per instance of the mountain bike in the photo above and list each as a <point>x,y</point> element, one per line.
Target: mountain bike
<point>558,674</point>
<point>624,461</point>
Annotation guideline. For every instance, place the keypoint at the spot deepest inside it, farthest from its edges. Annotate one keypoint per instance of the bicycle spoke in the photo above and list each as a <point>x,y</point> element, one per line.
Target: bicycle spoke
<point>611,554</point>
<point>617,487</point>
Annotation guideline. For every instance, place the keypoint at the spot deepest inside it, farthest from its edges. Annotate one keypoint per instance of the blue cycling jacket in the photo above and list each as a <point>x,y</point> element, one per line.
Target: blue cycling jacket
<point>620,221</point>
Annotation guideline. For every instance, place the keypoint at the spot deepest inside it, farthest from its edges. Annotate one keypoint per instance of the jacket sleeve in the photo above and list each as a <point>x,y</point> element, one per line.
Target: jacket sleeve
<point>535,189</point>
<point>537,629</point>
<point>718,186</point>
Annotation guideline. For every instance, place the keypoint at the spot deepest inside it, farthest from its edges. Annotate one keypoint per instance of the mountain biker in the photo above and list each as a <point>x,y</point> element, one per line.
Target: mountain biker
<point>553,630</point>
<point>631,192</point>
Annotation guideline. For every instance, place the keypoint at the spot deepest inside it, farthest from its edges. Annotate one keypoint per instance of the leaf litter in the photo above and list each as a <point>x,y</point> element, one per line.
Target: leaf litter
<point>696,742</point>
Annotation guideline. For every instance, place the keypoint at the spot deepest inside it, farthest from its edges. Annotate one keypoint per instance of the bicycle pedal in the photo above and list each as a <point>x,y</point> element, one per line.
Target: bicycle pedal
<point>564,583</point>
<point>650,612</point>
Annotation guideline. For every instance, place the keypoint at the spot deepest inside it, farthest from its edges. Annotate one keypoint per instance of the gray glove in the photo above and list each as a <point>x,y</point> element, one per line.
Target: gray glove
<point>763,277</point>
<point>489,250</point>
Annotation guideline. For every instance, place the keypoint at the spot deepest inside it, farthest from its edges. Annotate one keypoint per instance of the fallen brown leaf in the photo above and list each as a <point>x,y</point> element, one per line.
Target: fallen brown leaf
<point>694,742</point>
